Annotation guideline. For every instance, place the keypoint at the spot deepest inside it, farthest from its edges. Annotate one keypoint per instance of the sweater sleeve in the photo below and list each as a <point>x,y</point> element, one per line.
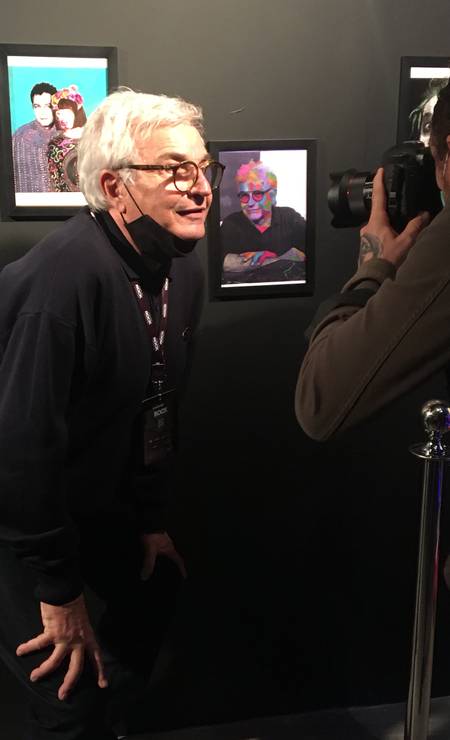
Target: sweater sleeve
<point>233,235</point>
<point>299,231</point>
<point>35,380</point>
<point>362,357</point>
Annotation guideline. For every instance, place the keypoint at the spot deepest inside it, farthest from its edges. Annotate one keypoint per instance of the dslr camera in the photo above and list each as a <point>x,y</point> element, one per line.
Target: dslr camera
<point>409,182</point>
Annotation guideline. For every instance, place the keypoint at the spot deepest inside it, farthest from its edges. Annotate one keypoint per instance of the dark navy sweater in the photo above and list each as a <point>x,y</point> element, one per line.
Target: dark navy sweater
<point>75,365</point>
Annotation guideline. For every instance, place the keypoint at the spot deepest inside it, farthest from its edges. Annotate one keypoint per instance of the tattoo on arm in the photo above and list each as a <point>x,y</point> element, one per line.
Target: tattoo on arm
<point>370,245</point>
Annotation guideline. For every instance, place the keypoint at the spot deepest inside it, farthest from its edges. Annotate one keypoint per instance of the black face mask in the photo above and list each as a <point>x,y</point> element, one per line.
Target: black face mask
<point>155,242</point>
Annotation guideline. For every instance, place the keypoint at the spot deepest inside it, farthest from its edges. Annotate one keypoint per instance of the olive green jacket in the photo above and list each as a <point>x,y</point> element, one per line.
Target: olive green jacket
<point>361,358</point>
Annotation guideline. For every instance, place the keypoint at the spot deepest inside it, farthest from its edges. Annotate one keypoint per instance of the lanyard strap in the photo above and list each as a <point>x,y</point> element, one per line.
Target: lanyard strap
<point>157,334</point>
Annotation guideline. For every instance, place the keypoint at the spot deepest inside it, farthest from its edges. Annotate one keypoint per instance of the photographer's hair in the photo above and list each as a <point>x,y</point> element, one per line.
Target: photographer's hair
<point>255,170</point>
<point>40,88</point>
<point>116,129</point>
<point>440,123</point>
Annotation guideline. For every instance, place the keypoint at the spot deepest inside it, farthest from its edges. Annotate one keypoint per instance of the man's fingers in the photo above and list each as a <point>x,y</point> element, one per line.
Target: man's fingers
<point>378,220</point>
<point>148,565</point>
<point>378,195</point>
<point>51,664</point>
<point>179,562</point>
<point>156,545</point>
<point>73,672</point>
<point>98,663</point>
<point>37,643</point>
<point>412,230</point>
<point>415,226</point>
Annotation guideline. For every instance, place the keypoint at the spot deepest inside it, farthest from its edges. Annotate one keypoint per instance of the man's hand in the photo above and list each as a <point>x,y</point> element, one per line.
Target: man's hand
<point>248,260</point>
<point>378,238</point>
<point>159,543</point>
<point>68,628</point>
<point>260,258</point>
<point>236,262</point>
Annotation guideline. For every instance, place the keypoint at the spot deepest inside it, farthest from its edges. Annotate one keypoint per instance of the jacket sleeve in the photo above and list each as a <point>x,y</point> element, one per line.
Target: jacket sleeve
<point>362,357</point>
<point>35,379</point>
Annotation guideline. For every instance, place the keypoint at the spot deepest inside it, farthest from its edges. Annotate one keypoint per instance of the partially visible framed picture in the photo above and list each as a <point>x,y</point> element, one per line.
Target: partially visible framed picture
<point>421,79</point>
<point>262,221</point>
<point>47,94</point>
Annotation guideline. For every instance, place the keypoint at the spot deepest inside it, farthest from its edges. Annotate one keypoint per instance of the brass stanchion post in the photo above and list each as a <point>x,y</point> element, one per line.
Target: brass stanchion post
<point>436,417</point>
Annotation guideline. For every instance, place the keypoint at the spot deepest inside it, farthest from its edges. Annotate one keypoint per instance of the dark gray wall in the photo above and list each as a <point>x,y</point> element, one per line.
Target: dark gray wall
<point>302,556</point>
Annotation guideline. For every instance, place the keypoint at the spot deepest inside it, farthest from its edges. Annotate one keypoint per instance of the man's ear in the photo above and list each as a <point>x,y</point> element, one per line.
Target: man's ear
<point>112,186</point>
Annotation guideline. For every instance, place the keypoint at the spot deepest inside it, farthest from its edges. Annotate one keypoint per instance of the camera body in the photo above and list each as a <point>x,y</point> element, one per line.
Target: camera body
<point>409,181</point>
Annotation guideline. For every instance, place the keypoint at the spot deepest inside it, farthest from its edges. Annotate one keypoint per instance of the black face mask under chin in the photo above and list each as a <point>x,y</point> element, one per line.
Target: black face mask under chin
<point>153,240</point>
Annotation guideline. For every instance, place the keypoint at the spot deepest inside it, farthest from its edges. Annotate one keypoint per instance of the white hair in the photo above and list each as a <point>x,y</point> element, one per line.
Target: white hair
<point>117,126</point>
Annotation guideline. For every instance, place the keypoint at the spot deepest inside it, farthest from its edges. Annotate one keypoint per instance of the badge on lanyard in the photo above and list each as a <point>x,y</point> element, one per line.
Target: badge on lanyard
<point>158,426</point>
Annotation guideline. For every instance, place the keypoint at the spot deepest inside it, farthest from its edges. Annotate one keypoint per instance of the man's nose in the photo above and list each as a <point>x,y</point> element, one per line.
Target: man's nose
<point>202,186</point>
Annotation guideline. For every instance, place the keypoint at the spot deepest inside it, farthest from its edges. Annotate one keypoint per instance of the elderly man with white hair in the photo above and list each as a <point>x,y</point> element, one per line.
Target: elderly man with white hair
<point>96,323</point>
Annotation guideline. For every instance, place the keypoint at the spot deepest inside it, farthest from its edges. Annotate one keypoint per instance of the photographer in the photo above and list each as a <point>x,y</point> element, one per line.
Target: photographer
<point>389,328</point>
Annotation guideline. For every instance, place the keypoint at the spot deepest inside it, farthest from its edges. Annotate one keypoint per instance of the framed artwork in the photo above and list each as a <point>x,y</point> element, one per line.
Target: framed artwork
<point>47,94</point>
<point>262,220</point>
<point>421,79</point>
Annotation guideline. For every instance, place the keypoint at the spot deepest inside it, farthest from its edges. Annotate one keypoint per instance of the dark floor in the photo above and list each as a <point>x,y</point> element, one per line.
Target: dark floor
<point>367,723</point>
<point>363,723</point>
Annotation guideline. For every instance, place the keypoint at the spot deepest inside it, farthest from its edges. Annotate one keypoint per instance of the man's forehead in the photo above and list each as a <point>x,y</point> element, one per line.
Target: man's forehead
<point>44,97</point>
<point>174,142</point>
<point>256,180</point>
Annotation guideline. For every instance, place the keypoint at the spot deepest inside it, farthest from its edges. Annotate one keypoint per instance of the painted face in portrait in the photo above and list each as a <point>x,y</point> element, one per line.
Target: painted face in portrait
<point>257,193</point>
<point>65,118</point>
<point>42,109</point>
<point>69,112</point>
<point>425,124</point>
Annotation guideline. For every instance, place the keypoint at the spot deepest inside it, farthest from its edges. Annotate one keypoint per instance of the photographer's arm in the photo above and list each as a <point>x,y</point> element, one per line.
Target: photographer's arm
<point>372,346</point>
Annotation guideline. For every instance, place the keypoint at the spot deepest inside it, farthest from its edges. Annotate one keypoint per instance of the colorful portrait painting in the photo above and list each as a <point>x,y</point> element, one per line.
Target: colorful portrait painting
<point>265,219</point>
<point>49,98</point>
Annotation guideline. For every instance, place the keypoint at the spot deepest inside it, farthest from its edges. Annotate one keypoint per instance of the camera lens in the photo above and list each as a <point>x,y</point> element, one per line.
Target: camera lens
<point>409,183</point>
<point>350,197</point>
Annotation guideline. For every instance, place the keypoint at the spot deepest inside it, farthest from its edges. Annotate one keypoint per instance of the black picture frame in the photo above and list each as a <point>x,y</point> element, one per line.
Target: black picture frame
<point>420,81</point>
<point>93,69</point>
<point>231,225</point>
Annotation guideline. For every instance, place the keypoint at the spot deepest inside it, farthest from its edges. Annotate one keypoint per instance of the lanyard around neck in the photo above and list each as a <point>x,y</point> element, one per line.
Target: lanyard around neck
<point>156,331</point>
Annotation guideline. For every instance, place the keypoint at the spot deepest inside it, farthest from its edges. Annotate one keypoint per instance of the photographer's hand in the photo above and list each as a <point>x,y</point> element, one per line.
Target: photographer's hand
<point>378,238</point>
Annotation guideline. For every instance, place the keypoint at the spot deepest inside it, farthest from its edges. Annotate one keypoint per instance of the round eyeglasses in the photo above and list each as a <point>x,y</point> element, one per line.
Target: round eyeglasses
<point>257,195</point>
<point>185,174</point>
